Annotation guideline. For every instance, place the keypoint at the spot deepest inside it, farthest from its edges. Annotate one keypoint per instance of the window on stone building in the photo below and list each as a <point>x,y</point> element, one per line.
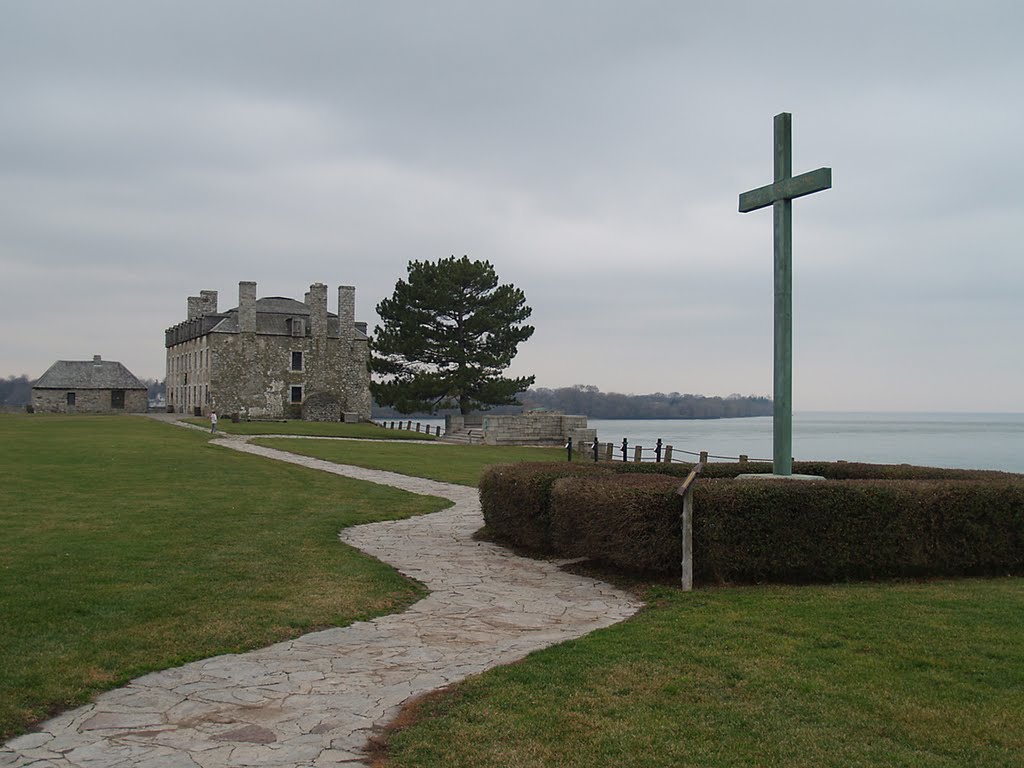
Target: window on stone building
<point>117,398</point>
<point>71,398</point>
<point>297,394</point>
<point>296,361</point>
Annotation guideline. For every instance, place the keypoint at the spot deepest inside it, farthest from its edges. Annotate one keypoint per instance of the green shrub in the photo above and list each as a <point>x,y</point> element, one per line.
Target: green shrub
<point>830,470</point>
<point>629,521</point>
<point>848,529</point>
<point>627,515</point>
<point>516,500</point>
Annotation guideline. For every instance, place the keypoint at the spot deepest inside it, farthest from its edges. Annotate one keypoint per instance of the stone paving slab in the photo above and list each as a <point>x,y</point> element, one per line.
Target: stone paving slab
<point>314,701</point>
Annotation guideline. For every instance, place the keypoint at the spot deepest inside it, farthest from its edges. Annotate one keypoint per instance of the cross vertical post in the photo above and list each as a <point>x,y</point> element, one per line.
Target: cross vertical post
<point>780,196</point>
<point>782,390</point>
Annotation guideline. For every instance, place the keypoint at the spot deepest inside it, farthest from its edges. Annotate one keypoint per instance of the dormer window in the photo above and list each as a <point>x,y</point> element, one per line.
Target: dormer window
<point>296,326</point>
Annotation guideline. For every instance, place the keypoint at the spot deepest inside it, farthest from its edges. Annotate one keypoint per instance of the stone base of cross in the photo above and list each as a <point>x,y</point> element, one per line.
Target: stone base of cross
<point>780,195</point>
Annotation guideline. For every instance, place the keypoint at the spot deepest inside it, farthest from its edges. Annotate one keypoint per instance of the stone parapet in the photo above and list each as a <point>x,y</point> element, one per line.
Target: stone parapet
<point>525,429</point>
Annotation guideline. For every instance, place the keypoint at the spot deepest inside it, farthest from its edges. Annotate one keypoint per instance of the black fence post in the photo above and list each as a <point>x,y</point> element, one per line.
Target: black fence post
<point>625,446</point>
<point>568,447</point>
<point>657,452</point>
<point>595,449</point>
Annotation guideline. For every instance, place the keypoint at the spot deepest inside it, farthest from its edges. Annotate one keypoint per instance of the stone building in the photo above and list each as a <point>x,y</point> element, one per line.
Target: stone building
<point>89,386</point>
<point>273,357</point>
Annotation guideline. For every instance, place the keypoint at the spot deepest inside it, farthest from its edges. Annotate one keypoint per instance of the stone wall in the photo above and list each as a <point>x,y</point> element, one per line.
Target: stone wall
<point>542,428</point>
<point>251,374</point>
<point>321,406</point>
<point>87,401</point>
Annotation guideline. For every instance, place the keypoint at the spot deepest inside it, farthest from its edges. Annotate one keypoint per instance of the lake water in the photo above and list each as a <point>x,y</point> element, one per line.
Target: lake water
<point>967,440</point>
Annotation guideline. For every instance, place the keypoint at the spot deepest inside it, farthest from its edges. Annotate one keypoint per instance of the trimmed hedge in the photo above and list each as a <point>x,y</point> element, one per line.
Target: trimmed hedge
<point>630,521</point>
<point>516,500</point>
<point>830,470</point>
<point>972,524</point>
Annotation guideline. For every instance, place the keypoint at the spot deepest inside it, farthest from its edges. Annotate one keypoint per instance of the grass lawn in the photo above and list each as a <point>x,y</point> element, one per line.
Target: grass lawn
<point>461,464</point>
<point>312,428</point>
<point>854,675</point>
<point>127,546</point>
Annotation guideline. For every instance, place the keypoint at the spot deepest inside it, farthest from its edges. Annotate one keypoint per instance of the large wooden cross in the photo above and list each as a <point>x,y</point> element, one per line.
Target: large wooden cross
<point>780,195</point>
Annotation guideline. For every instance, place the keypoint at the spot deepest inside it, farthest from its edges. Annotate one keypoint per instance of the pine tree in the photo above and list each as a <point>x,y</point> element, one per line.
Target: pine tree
<point>447,335</point>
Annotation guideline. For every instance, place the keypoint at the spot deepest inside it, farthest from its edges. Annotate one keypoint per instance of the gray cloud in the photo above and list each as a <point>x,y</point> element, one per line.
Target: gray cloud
<point>593,151</point>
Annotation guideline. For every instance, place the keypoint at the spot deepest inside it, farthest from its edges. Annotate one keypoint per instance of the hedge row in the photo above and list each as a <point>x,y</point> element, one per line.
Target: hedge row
<point>972,524</point>
<point>830,470</point>
<point>516,500</point>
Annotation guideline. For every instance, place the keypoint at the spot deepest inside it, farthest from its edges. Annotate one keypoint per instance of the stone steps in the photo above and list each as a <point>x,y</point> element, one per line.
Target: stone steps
<point>463,437</point>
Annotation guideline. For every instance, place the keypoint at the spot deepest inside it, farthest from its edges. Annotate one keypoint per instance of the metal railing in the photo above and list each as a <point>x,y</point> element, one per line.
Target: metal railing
<point>660,453</point>
<point>407,426</point>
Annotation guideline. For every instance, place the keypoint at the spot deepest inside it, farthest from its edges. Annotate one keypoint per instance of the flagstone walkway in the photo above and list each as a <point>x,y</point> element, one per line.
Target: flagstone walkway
<point>314,701</point>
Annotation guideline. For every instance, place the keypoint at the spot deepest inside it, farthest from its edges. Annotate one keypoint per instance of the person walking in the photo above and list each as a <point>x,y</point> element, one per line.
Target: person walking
<point>213,422</point>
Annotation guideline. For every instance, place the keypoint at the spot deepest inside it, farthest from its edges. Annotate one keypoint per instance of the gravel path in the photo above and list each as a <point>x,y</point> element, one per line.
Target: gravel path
<point>315,700</point>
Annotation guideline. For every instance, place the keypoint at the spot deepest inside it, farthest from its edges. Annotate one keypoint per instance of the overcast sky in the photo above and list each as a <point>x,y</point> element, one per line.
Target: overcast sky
<point>592,151</point>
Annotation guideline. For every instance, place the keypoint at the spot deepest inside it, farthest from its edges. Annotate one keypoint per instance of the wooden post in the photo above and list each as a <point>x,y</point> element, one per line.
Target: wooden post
<point>438,432</point>
<point>703,457</point>
<point>638,454</point>
<point>608,450</point>
<point>743,458</point>
<point>408,426</point>
<point>668,454</point>
<point>687,578</point>
<point>686,491</point>
<point>418,425</point>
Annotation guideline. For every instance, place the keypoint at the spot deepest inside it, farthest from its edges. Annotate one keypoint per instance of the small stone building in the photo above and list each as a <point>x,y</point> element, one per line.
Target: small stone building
<point>273,357</point>
<point>89,386</point>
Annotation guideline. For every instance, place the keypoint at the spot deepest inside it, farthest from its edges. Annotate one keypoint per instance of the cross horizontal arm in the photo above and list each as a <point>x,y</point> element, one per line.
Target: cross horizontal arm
<point>787,189</point>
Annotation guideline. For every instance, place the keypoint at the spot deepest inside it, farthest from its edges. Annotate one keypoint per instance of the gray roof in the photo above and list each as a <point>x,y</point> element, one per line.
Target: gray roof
<point>280,305</point>
<point>272,313</point>
<point>88,374</point>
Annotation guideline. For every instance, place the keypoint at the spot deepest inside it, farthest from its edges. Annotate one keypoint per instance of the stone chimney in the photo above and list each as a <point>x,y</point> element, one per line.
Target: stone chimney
<point>247,307</point>
<point>316,300</point>
<point>194,307</point>
<point>208,302</point>
<point>346,313</point>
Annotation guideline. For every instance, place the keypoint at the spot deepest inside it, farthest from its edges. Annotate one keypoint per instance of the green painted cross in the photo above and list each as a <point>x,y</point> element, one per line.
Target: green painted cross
<point>780,196</point>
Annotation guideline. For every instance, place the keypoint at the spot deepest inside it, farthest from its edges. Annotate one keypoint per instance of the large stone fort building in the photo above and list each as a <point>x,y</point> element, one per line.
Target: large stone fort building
<point>270,358</point>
